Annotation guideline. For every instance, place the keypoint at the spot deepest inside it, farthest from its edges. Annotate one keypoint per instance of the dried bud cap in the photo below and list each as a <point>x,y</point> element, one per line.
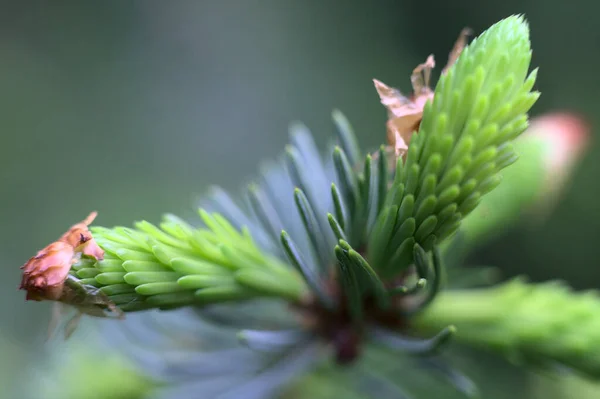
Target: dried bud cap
<point>91,249</point>
<point>81,239</point>
<point>49,268</point>
<point>458,48</point>
<point>45,273</point>
<point>404,116</point>
<point>405,113</point>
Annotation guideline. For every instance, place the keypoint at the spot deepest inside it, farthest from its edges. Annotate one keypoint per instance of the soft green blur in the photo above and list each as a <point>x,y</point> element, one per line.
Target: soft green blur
<point>133,108</point>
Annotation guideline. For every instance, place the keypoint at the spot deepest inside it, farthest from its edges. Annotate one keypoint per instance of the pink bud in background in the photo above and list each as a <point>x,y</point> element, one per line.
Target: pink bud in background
<point>566,137</point>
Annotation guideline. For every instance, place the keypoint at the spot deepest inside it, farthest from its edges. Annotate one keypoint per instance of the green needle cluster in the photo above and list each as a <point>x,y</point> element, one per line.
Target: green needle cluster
<point>464,141</point>
<point>545,325</point>
<point>177,265</point>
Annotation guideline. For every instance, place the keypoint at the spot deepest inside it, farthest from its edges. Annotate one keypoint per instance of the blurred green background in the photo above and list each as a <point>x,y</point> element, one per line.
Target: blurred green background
<point>133,108</point>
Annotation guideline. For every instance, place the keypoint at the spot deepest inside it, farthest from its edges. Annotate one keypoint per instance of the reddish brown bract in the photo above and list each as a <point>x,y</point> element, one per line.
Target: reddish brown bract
<point>45,273</point>
<point>405,113</point>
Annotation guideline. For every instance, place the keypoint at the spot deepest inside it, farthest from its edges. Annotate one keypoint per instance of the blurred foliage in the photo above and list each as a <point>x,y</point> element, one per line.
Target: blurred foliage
<point>106,375</point>
<point>127,107</point>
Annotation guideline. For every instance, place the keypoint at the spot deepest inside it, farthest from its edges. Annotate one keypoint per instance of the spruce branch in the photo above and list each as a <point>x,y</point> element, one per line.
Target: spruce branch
<point>353,244</point>
<point>542,325</point>
<point>338,234</point>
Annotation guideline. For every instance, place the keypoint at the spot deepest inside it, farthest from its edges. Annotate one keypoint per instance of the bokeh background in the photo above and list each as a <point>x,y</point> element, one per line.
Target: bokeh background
<point>133,108</point>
